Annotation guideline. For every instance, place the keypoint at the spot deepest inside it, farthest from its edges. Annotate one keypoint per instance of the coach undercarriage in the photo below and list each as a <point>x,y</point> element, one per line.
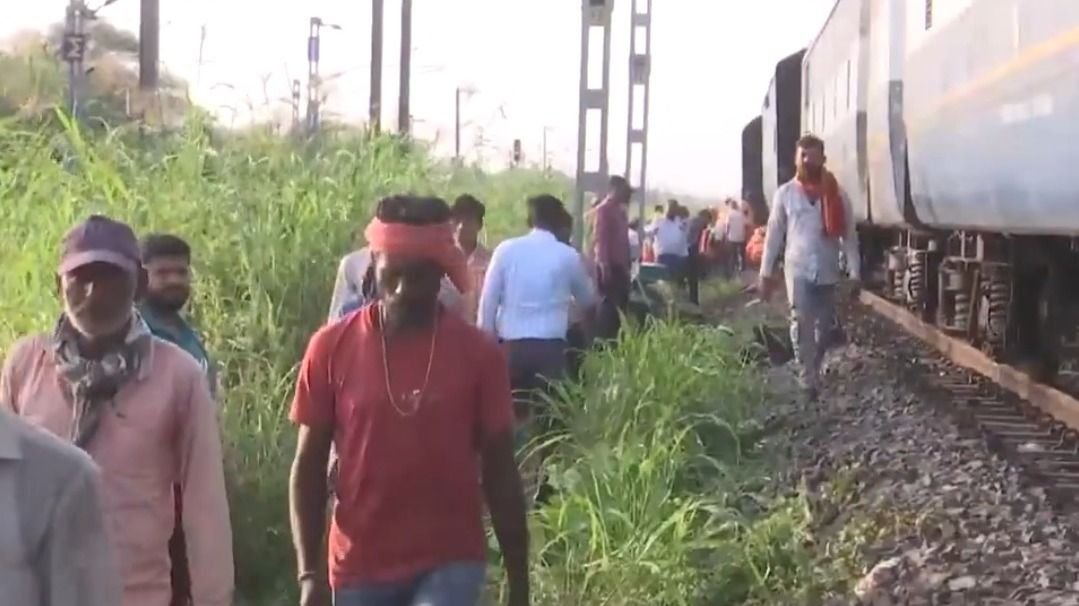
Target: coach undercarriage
<point>1010,296</point>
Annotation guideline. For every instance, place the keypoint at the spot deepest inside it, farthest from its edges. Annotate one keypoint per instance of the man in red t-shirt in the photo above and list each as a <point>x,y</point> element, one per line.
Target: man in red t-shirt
<point>417,403</point>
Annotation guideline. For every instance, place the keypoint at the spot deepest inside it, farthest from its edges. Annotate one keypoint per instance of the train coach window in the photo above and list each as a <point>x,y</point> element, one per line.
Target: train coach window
<point>928,14</point>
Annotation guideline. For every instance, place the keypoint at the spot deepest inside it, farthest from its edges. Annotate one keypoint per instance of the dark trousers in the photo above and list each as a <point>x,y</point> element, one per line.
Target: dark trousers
<point>181,576</point>
<point>576,344</point>
<point>613,285</point>
<point>693,276</point>
<point>534,365</point>
<point>736,258</point>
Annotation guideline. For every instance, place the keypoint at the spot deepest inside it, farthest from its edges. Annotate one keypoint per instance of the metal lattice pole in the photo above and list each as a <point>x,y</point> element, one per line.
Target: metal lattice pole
<point>313,52</point>
<point>640,67</point>
<point>596,15</point>
<point>375,105</point>
<point>74,51</point>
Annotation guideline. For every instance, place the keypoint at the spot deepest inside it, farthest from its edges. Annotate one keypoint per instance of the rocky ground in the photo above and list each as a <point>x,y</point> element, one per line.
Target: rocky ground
<point>942,519</point>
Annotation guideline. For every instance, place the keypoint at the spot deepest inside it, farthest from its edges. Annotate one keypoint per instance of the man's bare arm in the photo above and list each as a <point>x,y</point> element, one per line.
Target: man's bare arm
<point>506,502</point>
<point>307,496</point>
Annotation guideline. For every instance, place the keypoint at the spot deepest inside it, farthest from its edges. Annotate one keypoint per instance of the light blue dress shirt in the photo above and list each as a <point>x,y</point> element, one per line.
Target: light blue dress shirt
<point>530,284</point>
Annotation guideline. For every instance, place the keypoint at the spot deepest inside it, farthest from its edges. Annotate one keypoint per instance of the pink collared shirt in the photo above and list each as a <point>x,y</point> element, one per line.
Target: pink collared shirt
<point>477,270</point>
<point>611,247</point>
<point>161,431</point>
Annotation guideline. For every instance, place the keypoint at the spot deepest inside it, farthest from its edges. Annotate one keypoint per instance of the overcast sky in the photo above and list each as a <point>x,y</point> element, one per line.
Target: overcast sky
<point>712,60</point>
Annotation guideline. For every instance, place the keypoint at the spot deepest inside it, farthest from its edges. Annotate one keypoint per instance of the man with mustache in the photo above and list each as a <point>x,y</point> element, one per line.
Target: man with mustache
<point>140,407</point>
<point>417,403</point>
<point>167,261</point>
<point>813,218</point>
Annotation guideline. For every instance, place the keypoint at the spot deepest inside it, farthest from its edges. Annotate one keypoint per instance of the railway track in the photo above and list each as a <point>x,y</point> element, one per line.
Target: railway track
<point>1031,424</point>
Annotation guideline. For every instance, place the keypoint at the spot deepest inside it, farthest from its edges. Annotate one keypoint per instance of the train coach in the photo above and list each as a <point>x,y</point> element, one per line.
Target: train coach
<point>949,125</point>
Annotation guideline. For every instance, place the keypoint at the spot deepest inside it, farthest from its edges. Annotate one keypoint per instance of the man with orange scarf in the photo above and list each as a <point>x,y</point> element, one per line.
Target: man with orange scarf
<point>417,403</point>
<point>813,219</point>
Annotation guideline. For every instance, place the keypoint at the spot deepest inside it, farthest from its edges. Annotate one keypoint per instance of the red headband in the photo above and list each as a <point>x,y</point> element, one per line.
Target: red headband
<point>434,242</point>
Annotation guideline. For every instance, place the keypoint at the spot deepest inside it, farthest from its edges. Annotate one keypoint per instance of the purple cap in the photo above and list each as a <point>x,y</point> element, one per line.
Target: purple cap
<point>99,239</point>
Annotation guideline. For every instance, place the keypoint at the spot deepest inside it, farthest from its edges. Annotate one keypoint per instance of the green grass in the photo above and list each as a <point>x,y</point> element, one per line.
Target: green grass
<point>658,483</point>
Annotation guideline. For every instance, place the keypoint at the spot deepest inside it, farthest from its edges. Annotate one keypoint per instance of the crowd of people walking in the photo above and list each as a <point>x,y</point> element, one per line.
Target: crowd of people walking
<point>410,403</point>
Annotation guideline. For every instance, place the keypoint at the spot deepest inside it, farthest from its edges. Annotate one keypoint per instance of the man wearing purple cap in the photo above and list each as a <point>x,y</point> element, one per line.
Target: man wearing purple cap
<point>141,408</point>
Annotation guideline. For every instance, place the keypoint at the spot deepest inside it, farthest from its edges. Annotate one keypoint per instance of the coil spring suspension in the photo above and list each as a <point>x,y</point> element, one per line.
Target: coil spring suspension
<point>962,311</point>
<point>997,300</point>
<point>916,286</point>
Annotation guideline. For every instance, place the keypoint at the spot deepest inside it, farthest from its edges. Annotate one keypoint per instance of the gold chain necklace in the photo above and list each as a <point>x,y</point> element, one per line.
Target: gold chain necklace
<point>417,395</point>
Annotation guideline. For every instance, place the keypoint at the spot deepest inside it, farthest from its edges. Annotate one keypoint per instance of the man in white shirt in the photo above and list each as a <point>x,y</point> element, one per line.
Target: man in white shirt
<point>734,234</point>
<point>813,218</point>
<point>669,237</point>
<point>530,284</point>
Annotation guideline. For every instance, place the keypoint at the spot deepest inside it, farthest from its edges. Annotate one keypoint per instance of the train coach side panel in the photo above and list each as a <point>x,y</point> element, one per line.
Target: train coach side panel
<point>752,187</point>
<point>769,145</point>
<point>833,103</point>
<point>993,113</point>
<point>885,133</point>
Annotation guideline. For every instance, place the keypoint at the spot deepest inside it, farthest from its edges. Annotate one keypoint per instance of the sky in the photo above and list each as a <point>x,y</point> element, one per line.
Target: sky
<point>711,63</point>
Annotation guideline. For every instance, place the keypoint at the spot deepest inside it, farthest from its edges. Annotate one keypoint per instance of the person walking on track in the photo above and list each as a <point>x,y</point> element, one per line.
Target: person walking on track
<point>612,256</point>
<point>140,406</point>
<point>812,217</point>
<point>57,551</point>
<point>734,234</point>
<point>468,214</point>
<point>418,404</point>
<point>670,234</point>
<point>167,261</point>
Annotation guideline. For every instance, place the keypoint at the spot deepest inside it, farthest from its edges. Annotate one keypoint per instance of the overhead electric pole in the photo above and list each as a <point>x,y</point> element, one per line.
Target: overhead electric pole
<point>313,88</point>
<point>595,20</point>
<point>640,66</point>
<point>149,43</point>
<point>404,111</point>
<point>375,108</point>
<point>74,51</point>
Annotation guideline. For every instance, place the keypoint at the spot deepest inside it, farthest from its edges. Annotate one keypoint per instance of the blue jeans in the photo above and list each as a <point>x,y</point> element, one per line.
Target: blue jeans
<point>812,317</point>
<point>455,584</point>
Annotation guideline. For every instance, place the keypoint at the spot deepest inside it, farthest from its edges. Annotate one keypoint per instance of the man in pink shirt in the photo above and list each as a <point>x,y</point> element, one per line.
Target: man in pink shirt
<point>611,252</point>
<point>140,407</point>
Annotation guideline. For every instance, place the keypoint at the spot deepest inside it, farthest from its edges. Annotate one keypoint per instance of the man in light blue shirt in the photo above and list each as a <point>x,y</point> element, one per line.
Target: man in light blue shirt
<point>530,284</point>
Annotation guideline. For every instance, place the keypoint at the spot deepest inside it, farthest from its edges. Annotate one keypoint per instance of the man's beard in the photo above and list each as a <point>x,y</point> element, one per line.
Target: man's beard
<point>96,328</point>
<point>169,303</point>
<point>410,314</point>
<point>810,173</point>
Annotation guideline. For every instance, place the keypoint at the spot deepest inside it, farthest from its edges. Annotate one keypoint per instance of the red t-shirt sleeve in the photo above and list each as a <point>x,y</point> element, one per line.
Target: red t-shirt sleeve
<point>313,403</point>
<point>495,396</point>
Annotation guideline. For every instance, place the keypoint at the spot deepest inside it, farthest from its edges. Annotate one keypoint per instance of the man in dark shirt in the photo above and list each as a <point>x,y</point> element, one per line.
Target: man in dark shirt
<point>167,261</point>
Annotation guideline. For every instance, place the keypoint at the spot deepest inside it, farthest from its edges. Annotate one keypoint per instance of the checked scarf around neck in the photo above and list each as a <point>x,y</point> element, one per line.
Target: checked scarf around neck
<point>93,384</point>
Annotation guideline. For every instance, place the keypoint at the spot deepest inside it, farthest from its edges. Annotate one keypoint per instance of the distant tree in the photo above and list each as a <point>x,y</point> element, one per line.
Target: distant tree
<point>33,79</point>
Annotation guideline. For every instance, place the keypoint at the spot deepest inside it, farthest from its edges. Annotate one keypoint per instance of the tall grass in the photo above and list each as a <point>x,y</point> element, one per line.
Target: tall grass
<point>268,222</point>
<point>653,465</point>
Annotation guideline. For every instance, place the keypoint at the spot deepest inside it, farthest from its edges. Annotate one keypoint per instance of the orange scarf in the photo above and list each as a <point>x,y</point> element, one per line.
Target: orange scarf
<point>433,242</point>
<point>833,215</point>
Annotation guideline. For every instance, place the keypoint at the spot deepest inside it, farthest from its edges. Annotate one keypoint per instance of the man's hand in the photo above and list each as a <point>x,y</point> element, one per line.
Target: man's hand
<point>766,287</point>
<point>314,592</point>
<point>855,286</point>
